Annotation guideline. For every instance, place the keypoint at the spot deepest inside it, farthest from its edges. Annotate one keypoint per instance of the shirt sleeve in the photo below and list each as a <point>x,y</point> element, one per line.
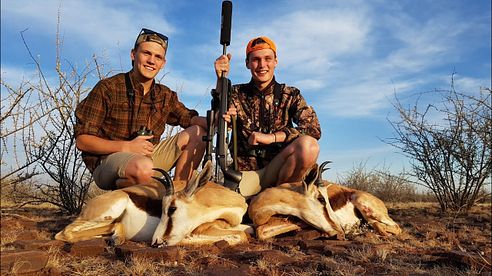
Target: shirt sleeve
<point>91,111</point>
<point>304,117</point>
<point>180,114</point>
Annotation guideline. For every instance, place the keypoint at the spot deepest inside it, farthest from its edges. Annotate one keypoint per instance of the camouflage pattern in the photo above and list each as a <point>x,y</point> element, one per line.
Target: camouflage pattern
<point>256,112</point>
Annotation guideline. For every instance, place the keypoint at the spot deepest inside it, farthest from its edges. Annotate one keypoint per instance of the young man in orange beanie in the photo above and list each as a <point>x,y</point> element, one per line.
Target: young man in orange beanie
<point>277,131</point>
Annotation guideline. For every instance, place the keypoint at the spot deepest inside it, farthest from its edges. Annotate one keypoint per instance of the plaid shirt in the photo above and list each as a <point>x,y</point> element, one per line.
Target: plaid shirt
<point>106,112</point>
<point>256,112</point>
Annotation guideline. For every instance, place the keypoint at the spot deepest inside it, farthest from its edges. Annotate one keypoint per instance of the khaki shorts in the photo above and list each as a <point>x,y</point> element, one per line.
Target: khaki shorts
<point>113,167</point>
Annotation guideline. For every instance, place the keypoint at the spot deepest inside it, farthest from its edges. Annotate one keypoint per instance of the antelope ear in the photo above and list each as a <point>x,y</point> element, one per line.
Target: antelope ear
<point>192,184</point>
<point>199,179</point>
<point>205,174</point>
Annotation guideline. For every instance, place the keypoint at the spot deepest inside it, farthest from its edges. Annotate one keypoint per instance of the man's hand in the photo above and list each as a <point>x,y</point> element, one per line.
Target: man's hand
<point>231,112</point>
<point>141,145</point>
<point>222,65</point>
<point>257,138</point>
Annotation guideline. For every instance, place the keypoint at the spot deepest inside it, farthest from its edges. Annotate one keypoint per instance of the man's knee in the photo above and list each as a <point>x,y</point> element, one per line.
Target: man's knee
<point>139,170</point>
<point>196,131</point>
<point>307,150</point>
<point>193,134</point>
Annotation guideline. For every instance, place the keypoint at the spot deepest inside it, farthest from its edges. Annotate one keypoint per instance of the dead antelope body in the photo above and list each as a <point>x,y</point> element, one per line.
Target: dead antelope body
<point>203,212</point>
<point>330,208</point>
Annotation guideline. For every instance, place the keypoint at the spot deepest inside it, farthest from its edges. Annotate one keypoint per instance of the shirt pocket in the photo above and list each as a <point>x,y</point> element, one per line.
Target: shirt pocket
<point>158,120</point>
<point>158,117</point>
<point>119,116</point>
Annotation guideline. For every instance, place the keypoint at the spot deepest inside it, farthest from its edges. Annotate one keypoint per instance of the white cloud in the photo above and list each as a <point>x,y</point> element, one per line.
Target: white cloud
<point>315,36</point>
<point>309,40</point>
<point>362,84</point>
<point>309,84</point>
<point>469,85</point>
<point>15,76</point>
<point>96,24</point>
<point>188,87</point>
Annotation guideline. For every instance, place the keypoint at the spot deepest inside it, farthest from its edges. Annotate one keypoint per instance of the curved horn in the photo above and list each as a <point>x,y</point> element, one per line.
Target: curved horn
<point>322,166</point>
<point>319,181</point>
<point>311,176</point>
<point>165,180</point>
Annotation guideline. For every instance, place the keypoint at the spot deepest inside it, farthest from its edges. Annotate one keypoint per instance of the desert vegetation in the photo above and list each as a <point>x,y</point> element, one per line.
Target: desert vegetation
<point>448,141</point>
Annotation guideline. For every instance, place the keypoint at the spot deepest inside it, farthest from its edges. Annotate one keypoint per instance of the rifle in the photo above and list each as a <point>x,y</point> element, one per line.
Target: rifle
<point>220,104</point>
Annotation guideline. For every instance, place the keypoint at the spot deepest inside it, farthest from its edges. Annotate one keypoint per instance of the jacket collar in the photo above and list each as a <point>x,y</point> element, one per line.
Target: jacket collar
<point>267,91</point>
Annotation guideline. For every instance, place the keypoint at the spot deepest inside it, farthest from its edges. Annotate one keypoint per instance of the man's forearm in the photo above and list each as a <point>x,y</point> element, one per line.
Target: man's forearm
<point>200,121</point>
<point>98,145</point>
<point>279,137</point>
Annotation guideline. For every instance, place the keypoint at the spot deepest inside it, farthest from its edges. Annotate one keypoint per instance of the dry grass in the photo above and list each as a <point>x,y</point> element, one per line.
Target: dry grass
<point>142,266</point>
<point>92,266</point>
<point>266,267</point>
<point>56,258</point>
<point>426,234</point>
<point>10,235</point>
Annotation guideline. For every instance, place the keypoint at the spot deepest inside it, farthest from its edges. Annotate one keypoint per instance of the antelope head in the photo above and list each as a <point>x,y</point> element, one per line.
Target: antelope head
<point>200,203</point>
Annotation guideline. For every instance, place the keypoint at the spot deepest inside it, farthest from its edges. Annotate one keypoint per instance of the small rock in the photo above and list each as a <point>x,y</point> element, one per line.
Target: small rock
<point>23,261</point>
<point>308,235</point>
<point>222,244</point>
<point>275,256</point>
<point>240,271</point>
<point>87,248</point>
<point>317,245</point>
<point>26,235</point>
<point>170,253</point>
<point>37,244</point>
<point>52,271</point>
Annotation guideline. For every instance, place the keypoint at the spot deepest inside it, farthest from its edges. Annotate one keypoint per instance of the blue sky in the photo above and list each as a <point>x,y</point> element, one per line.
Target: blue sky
<point>349,58</point>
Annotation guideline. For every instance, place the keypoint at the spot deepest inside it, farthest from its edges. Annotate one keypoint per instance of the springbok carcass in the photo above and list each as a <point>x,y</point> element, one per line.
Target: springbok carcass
<point>333,209</point>
<point>203,212</point>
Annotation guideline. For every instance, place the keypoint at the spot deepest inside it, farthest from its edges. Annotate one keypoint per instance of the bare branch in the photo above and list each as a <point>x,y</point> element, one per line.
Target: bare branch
<point>449,143</point>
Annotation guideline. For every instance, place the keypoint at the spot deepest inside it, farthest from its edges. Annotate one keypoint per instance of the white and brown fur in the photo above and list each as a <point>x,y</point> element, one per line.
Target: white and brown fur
<point>333,209</point>
<point>203,212</point>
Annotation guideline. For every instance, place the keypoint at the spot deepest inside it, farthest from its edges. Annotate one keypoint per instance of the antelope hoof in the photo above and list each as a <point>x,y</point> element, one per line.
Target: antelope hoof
<point>116,240</point>
<point>158,243</point>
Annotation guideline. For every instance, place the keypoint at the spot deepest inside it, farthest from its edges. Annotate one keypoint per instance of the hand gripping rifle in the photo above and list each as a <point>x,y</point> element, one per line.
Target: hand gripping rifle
<point>220,104</point>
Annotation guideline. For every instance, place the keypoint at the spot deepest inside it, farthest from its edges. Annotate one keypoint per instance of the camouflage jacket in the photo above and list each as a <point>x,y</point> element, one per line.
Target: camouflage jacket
<point>256,111</point>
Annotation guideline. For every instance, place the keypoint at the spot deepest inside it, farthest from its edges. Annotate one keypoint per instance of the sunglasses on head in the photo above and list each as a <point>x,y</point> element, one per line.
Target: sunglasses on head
<point>149,35</point>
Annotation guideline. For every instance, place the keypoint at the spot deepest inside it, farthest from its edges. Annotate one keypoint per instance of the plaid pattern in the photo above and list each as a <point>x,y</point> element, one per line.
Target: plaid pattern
<point>106,113</point>
<point>292,109</point>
